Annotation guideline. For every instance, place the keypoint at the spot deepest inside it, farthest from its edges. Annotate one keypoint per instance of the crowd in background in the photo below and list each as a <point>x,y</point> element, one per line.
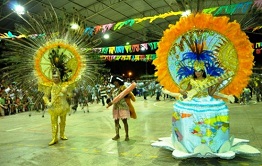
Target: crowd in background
<point>14,100</point>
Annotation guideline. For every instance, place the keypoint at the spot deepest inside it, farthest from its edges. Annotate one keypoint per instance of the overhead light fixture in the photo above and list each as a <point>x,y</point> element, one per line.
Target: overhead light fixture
<point>106,36</point>
<point>74,26</point>
<point>19,9</point>
<point>186,13</point>
<point>143,48</point>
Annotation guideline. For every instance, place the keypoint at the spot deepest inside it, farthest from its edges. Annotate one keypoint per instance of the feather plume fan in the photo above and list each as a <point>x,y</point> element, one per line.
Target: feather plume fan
<point>52,44</point>
<point>252,19</point>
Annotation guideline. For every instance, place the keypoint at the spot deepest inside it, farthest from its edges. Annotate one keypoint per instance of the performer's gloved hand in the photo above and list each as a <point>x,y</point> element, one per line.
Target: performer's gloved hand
<point>61,94</point>
<point>220,80</point>
<point>49,104</point>
<point>183,92</point>
<point>164,91</point>
<point>109,104</point>
<point>64,89</point>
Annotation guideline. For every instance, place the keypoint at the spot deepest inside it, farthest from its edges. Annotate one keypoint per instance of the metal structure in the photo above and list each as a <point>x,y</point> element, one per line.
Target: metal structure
<point>100,12</point>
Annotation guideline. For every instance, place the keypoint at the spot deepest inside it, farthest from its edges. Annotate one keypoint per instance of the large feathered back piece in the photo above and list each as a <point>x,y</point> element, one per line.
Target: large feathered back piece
<point>50,43</point>
<point>221,45</point>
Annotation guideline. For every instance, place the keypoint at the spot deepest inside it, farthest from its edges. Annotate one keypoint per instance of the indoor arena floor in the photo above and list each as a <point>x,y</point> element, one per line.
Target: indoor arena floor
<point>24,139</point>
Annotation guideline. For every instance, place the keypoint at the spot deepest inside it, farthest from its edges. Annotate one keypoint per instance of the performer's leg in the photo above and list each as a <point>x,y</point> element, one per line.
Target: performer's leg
<point>103,100</point>
<point>43,113</point>
<point>126,129</point>
<point>117,130</point>
<point>54,119</point>
<point>86,108</point>
<point>43,110</point>
<point>62,127</point>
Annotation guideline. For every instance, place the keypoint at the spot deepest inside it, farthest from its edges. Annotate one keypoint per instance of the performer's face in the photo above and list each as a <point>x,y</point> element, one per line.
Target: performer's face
<point>56,79</point>
<point>116,83</point>
<point>199,73</point>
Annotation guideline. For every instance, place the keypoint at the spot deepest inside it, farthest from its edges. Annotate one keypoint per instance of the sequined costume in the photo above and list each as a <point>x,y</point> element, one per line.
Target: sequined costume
<point>57,51</point>
<point>200,123</point>
<point>57,107</point>
<point>202,120</point>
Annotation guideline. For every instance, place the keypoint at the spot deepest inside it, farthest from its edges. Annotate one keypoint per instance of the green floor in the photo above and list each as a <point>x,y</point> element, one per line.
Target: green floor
<point>24,140</point>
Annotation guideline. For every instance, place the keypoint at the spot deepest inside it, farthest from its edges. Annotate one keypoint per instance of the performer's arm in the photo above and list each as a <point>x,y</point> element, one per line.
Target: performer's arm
<point>213,89</point>
<point>171,93</point>
<point>67,90</point>
<point>184,92</point>
<point>46,99</point>
<point>3,106</point>
<point>231,98</point>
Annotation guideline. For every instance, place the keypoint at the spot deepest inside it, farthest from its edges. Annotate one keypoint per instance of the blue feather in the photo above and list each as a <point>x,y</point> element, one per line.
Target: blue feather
<point>10,34</point>
<point>189,55</point>
<point>213,69</point>
<point>206,56</point>
<point>184,71</point>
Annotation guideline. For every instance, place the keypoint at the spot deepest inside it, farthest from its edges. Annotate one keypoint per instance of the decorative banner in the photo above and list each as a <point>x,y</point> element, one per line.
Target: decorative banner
<point>257,4</point>
<point>119,25</point>
<point>106,27</point>
<point>258,47</point>
<point>258,51</point>
<point>209,10</point>
<point>9,35</point>
<point>229,9</point>
<point>257,28</point>
<point>145,57</point>
<point>151,19</point>
<point>128,48</point>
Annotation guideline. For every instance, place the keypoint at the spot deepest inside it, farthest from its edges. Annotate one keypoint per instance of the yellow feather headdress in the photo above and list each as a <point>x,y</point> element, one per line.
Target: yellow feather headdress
<point>199,65</point>
<point>228,43</point>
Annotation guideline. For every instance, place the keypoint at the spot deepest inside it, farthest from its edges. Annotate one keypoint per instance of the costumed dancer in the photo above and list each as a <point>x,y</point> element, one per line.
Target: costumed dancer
<point>200,57</point>
<point>200,119</point>
<point>55,99</point>
<point>120,106</point>
<point>55,61</point>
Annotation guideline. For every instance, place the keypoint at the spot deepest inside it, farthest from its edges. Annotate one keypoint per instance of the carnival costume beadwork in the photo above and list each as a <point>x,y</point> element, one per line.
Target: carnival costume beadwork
<point>57,53</point>
<point>218,49</point>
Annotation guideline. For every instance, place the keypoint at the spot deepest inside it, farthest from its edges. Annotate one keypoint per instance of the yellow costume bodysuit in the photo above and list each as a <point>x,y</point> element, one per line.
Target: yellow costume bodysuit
<point>57,106</point>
